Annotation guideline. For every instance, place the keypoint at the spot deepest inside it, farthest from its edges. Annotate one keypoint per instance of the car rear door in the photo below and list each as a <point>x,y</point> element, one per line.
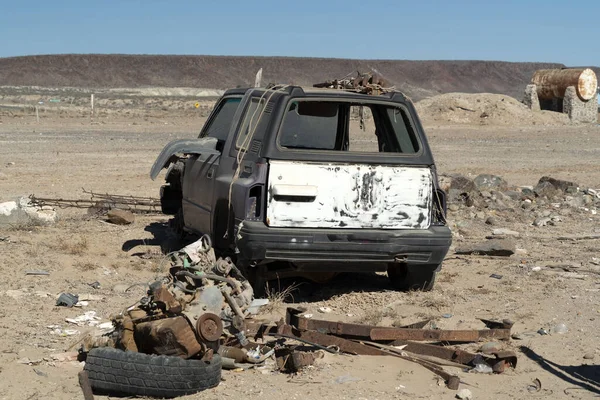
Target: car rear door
<point>359,193</point>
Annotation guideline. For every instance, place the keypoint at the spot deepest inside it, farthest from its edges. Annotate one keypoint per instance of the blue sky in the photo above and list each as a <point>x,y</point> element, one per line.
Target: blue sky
<point>508,30</point>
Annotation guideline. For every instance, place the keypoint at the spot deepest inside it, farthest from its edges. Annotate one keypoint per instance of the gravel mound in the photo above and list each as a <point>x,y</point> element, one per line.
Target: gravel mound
<point>484,109</point>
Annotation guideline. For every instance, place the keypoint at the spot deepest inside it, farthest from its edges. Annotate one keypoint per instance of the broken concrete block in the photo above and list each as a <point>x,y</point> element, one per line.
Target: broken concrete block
<point>120,217</point>
<point>23,211</point>
<point>494,247</point>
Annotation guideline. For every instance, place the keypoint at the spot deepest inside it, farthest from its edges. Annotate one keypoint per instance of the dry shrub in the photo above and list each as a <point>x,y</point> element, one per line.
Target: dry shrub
<point>78,247</point>
<point>85,266</point>
<point>278,297</point>
<point>26,226</point>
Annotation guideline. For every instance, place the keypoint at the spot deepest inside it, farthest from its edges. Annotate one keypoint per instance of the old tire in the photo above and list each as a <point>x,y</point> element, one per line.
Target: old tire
<point>117,372</point>
<point>404,277</point>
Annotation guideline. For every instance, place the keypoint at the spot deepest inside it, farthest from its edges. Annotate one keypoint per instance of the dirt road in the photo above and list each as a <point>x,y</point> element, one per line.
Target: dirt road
<point>59,156</point>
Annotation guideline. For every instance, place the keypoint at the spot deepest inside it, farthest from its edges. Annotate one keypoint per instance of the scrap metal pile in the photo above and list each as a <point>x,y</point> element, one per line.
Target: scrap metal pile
<point>203,312</point>
<point>367,83</point>
<point>102,202</point>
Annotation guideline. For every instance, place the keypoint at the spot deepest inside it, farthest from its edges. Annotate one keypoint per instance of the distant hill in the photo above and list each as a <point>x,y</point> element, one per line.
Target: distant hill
<point>418,79</point>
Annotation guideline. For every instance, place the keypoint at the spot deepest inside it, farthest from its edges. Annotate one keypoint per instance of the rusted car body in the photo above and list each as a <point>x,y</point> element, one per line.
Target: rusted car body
<point>289,180</point>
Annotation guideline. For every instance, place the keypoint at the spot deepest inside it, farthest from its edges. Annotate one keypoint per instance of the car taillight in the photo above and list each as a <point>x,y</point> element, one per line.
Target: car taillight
<point>254,204</point>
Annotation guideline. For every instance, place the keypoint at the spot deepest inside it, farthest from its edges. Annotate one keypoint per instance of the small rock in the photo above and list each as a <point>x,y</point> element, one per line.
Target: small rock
<point>324,310</point>
<point>542,221</point>
<point>485,194</point>
<point>560,329</point>
<point>463,184</point>
<point>546,189</point>
<point>480,215</point>
<point>589,356</point>
<point>521,252</point>
<point>120,217</point>
<point>120,288</point>
<point>513,195</point>
<point>9,164</point>
<point>453,207</point>
<point>490,220</point>
<point>464,394</point>
<point>536,269</point>
<point>487,181</point>
<point>527,205</point>
<point>494,247</point>
<point>68,356</point>
<point>575,202</point>
<point>558,183</point>
<point>505,232</point>
<point>527,192</point>
<point>490,347</point>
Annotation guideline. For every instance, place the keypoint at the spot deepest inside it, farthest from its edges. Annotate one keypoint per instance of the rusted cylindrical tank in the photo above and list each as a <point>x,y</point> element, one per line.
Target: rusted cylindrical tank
<point>553,82</point>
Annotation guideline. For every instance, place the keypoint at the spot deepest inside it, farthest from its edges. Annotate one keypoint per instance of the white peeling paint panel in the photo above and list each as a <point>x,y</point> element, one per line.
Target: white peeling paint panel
<point>317,195</point>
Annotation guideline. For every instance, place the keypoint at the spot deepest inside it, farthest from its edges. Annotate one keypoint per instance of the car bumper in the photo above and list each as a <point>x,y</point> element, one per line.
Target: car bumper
<point>258,242</point>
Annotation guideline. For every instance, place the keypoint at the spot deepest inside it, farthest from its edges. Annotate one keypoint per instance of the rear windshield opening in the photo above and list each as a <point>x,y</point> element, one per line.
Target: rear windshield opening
<point>345,126</point>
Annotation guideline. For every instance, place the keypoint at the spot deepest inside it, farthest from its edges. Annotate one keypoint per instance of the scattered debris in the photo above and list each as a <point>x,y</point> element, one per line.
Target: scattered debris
<point>536,386</point>
<point>496,276</point>
<point>120,217</point>
<point>494,247</point>
<point>94,285</point>
<point>67,300</point>
<point>28,361</point>
<point>369,83</point>
<point>43,273</point>
<point>88,318</point>
<point>592,236</point>
<point>101,203</point>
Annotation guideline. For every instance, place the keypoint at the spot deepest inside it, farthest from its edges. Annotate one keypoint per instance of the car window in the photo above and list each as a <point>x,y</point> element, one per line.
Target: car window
<point>251,119</point>
<point>311,130</point>
<point>220,124</point>
<point>347,126</point>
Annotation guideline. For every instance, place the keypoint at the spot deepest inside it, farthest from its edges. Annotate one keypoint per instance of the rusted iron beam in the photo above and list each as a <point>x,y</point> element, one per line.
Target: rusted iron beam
<point>356,331</point>
<point>386,334</point>
<point>499,362</point>
<point>348,346</point>
<point>345,345</point>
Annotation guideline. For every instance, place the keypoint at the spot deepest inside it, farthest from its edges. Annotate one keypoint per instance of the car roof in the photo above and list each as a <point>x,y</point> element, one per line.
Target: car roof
<point>312,91</point>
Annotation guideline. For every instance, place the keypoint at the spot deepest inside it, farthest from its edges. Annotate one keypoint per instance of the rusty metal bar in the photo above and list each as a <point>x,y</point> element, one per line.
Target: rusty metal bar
<point>499,362</point>
<point>356,331</point>
<point>439,335</point>
<point>348,346</point>
<point>84,383</point>
<point>345,345</point>
<point>144,205</point>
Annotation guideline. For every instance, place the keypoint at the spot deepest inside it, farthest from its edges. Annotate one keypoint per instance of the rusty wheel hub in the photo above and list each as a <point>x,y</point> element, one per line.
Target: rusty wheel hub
<point>209,327</point>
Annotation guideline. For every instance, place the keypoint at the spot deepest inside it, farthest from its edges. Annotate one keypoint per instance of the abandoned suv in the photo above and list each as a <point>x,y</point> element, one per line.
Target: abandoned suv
<point>298,181</point>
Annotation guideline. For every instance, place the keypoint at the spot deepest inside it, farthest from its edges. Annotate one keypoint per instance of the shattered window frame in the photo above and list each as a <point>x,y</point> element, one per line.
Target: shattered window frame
<point>216,114</point>
<point>383,119</point>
